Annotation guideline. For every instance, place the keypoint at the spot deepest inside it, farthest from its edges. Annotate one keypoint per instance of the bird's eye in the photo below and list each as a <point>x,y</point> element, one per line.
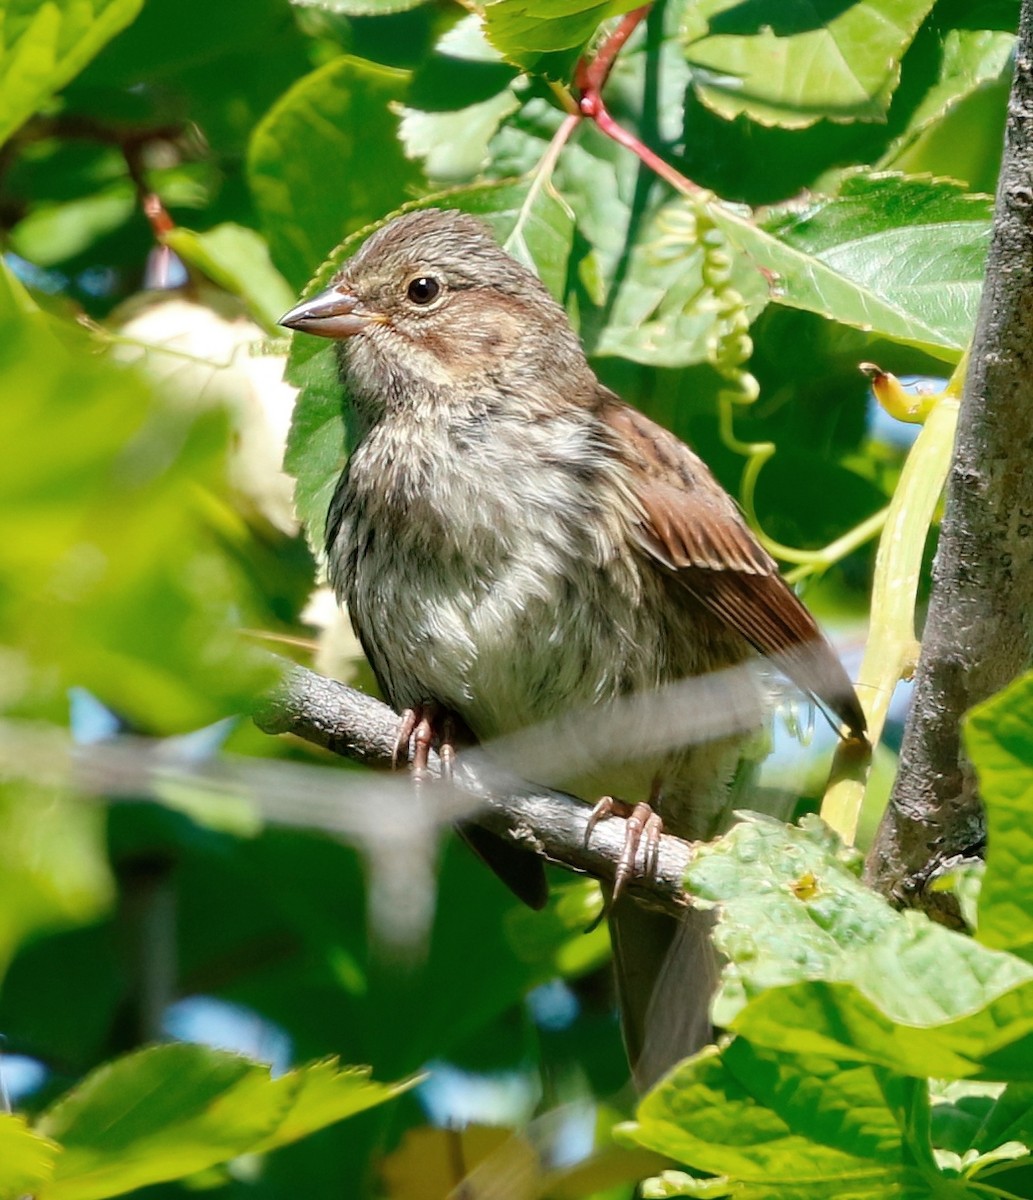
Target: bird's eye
<point>423,289</point>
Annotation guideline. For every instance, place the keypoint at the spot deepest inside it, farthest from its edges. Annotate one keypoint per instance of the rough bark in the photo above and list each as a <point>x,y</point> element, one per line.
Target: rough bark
<point>979,629</point>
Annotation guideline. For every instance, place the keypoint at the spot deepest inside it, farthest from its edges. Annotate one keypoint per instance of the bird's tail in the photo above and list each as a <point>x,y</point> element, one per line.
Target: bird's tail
<point>667,973</point>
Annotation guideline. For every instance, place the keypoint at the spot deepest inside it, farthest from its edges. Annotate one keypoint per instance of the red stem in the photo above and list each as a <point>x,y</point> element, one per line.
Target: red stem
<point>590,77</point>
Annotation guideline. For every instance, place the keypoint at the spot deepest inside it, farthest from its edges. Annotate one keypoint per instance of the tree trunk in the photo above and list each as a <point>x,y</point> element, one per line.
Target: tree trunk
<point>979,630</point>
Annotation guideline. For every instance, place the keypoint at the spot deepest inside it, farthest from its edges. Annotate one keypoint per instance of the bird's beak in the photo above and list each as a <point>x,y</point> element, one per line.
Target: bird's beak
<point>335,313</point>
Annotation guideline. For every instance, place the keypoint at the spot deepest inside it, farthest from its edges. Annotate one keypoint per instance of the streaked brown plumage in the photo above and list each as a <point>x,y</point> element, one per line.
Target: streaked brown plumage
<point>513,541</point>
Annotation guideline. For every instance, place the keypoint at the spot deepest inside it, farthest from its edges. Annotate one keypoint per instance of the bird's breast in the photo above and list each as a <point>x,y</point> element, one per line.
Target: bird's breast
<point>490,574</point>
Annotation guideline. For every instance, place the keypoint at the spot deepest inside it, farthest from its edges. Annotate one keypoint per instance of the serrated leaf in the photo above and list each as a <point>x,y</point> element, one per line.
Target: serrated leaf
<point>526,217</point>
<point>970,58</point>
<point>999,741</point>
<point>897,256</point>
<point>453,146</point>
<point>324,1093</point>
<point>237,259</point>
<point>777,1125</point>
<point>310,161</point>
<point>547,36</point>
<point>791,64</point>
<point>26,1159</point>
<point>45,45</point>
<point>171,1111</point>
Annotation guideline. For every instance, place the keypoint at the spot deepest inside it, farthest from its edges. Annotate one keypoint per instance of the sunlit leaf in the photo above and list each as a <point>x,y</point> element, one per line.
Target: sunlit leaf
<point>999,739</point>
<point>547,36</point>
<point>238,259</point>
<point>26,1159</point>
<point>171,1111</point>
<point>311,161</point>
<point>110,563</point>
<point>793,63</point>
<point>46,45</point>
<point>897,256</point>
<point>778,1125</point>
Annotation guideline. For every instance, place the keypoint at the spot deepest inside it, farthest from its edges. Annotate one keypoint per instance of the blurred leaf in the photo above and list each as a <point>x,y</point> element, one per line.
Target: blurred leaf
<point>528,220</point>
<point>897,256</point>
<point>567,934</point>
<point>164,41</point>
<point>112,577</point>
<point>171,1111</point>
<point>792,64</point>
<point>53,865</point>
<point>360,8</point>
<point>423,1167</point>
<point>547,36</point>
<point>463,69</point>
<point>237,259</point>
<point>26,1159</point>
<point>323,1093</point>
<point>999,741</point>
<point>310,159</point>
<point>46,45</point>
<point>52,233</point>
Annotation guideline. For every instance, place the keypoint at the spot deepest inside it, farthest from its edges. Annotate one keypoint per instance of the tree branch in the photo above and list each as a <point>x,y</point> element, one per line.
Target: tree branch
<point>978,634</point>
<point>549,823</point>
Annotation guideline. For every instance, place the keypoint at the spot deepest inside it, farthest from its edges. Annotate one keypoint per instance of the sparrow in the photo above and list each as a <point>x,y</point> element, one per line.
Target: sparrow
<point>512,542</point>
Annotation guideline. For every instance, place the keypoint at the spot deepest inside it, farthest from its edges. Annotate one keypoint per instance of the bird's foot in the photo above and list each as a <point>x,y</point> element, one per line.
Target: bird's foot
<point>643,828</point>
<point>427,726</point>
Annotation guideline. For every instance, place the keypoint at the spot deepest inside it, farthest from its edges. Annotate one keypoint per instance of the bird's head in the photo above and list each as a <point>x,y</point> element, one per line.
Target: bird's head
<point>429,303</point>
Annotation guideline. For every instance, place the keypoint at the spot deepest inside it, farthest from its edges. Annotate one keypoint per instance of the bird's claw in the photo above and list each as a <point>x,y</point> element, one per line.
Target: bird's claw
<point>643,828</point>
<point>423,726</point>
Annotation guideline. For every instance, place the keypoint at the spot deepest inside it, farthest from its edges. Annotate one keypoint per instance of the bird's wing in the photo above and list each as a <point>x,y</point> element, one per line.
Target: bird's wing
<point>691,527</point>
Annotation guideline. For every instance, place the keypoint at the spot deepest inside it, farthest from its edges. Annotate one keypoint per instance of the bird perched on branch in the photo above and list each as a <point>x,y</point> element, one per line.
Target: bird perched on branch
<point>513,542</point>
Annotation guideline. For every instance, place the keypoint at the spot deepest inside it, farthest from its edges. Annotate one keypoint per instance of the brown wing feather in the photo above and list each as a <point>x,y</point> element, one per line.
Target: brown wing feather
<point>692,527</point>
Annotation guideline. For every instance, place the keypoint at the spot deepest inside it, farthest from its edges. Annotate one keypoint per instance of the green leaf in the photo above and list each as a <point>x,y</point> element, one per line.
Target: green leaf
<point>26,1159</point>
<point>360,8</point>
<point>970,59</point>
<point>453,146</point>
<point>793,62</point>
<point>547,36</point>
<point>112,572</point>
<point>780,1125</point>
<point>171,1111</point>
<point>556,935</point>
<point>46,45</point>
<point>323,1093</point>
<point>900,257</point>
<point>882,987</point>
<point>999,741</point>
<point>326,161</point>
<point>54,868</point>
<point>52,233</point>
<point>237,259</point>
<point>526,217</point>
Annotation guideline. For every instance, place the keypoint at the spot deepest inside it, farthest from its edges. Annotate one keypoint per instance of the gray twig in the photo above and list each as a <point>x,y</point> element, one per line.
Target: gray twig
<point>550,823</point>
